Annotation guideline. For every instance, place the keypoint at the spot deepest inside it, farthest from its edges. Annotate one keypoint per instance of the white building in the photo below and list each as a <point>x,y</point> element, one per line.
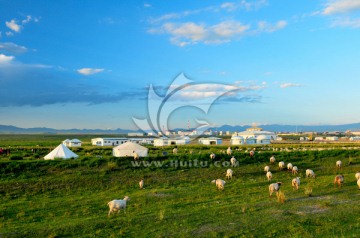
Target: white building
<point>135,134</point>
<point>210,141</point>
<point>319,138</point>
<point>72,143</point>
<point>253,135</point>
<point>164,141</point>
<point>354,138</point>
<point>108,141</point>
<point>332,138</point>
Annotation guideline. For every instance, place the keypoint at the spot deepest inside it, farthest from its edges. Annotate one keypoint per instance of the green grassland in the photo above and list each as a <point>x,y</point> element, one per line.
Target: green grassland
<point>69,198</point>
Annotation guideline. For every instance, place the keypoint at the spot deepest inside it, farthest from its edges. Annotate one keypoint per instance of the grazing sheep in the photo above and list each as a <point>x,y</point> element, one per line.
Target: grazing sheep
<point>358,183</point>
<point>294,170</point>
<point>233,161</point>
<point>289,166</point>
<point>274,187</point>
<point>295,183</point>
<point>141,184</point>
<point>338,164</point>
<point>117,205</point>
<point>229,173</point>
<point>175,151</point>
<point>266,168</point>
<point>252,153</point>
<point>281,165</point>
<point>220,184</point>
<point>269,176</point>
<point>357,175</point>
<point>310,173</point>
<point>339,179</point>
<point>228,151</point>
<point>212,156</point>
<point>272,159</point>
<point>136,156</point>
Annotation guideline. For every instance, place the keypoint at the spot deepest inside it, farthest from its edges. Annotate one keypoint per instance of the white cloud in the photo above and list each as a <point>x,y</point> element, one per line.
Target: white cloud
<point>147,5</point>
<point>191,33</point>
<point>247,5</point>
<point>346,22</point>
<point>13,25</point>
<point>12,47</point>
<point>264,26</point>
<point>341,6</point>
<point>9,33</point>
<point>17,27</point>
<point>289,85</point>
<point>89,71</point>
<point>5,59</point>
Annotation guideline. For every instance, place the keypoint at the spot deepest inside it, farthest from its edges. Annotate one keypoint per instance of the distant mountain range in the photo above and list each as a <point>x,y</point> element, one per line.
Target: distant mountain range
<point>4,129</point>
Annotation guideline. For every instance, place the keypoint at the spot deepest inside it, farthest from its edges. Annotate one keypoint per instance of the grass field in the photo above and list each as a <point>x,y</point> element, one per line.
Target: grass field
<point>69,198</point>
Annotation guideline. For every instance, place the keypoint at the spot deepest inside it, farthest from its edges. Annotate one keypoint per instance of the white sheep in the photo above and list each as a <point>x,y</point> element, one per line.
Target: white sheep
<point>252,153</point>
<point>228,151</point>
<point>338,164</point>
<point>141,184</point>
<point>272,159</point>
<point>117,205</point>
<point>229,173</point>
<point>274,187</point>
<point>357,175</point>
<point>281,165</point>
<point>295,183</point>
<point>175,151</point>
<point>233,161</point>
<point>339,179</point>
<point>136,156</point>
<point>269,175</point>
<point>220,184</point>
<point>266,168</point>
<point>310,173</point>
<point>295,170</point>
<point>212,156</point>
<point>358,183</point>
<point>289,166</point>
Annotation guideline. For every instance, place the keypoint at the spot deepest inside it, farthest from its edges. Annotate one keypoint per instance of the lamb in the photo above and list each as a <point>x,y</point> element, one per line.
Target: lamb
<point>274,187</point>
<point>141,184</point>
<point>310,173</point>
<point>339,179</point>
<point>229,173</point>
<point>272,159</point>
<point>233,161</point>
<point>358,183</point>
<point>175,151</point>
<point>252,153</point>
<point>269,176</point>
<point>212,156</point>
<point>281,165</point>
<point>228,151</point>
<point>117,205</point>
<point>294,170</point>
<point>295,183</point>
<point>220,184</point>
<point>266,168</point>
<point>136,156</point>
<point>357,175</point>
<point>289,166</point>
<point>338,164</point>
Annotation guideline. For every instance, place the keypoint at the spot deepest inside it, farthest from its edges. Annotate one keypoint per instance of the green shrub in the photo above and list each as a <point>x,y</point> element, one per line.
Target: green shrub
<point>16,157</point>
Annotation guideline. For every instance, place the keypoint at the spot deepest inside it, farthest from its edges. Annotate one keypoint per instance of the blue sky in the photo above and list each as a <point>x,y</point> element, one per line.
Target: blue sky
<point>90,64</point>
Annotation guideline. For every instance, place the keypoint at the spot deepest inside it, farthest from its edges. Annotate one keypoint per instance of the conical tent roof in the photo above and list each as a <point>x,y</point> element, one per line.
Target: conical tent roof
<point>128,148</point>
<point>60,152</point>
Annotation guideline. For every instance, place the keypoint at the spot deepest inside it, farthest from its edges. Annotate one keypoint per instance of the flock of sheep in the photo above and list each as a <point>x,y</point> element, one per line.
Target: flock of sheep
<point>117,205</point>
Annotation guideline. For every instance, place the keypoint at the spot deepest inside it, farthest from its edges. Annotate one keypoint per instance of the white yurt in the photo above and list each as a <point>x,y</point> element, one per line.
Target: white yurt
<point>62,152</point>
<point>128,149</point>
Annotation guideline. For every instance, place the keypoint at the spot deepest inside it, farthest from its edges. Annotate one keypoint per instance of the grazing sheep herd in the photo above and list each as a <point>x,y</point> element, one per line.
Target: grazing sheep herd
<point>117,205</point>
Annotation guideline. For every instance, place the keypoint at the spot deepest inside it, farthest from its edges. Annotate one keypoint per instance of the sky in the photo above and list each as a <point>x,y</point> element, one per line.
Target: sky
<point>112,64</point>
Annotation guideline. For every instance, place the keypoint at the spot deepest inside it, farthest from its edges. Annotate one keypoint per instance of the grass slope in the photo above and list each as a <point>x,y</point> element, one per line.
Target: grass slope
<point>69,198</point>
